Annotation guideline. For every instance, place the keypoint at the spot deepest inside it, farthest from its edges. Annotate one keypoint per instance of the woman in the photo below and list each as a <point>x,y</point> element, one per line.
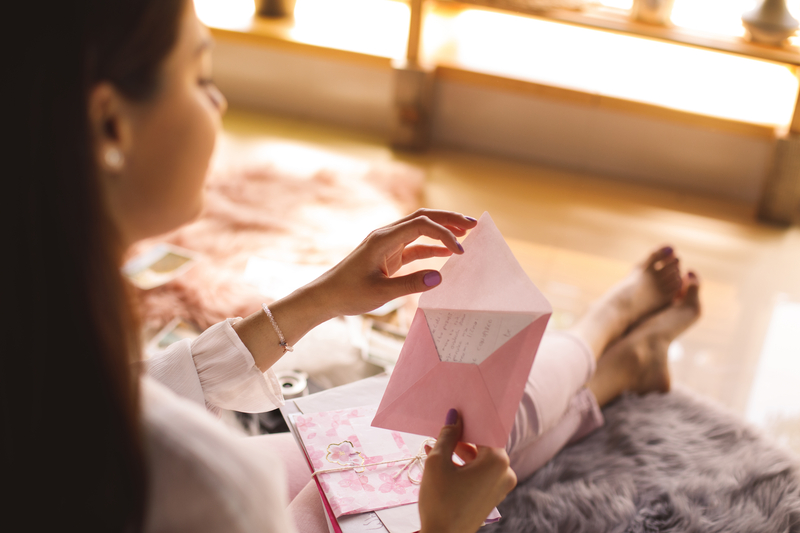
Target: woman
<point>117,117</point>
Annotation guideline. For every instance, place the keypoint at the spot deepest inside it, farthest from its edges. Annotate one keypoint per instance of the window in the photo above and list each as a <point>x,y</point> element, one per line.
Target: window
<point>552,52</point>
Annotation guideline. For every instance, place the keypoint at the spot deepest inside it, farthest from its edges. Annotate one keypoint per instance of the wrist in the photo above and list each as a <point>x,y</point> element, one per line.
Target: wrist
<point>311,305</point>
<point>323,296</point>
<point>295,315</point>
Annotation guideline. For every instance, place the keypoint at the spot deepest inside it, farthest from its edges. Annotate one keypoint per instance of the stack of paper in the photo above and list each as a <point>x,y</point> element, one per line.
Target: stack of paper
<point>360,468</point>
<point>310,409</point>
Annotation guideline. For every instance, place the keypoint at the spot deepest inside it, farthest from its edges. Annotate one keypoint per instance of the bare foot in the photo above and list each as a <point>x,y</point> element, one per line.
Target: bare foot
<point>649,287</point>
<point>638,361</point>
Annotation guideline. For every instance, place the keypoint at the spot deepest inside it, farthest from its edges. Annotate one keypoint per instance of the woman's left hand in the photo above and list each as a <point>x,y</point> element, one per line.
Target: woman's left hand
<point>363,280</point>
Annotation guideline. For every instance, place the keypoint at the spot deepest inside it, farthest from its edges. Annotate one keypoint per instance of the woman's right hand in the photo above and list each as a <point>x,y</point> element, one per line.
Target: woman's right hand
<point>455,498</point>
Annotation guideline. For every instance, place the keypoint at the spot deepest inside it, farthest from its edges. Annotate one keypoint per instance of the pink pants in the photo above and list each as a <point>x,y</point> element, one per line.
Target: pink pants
<point>556,409</point>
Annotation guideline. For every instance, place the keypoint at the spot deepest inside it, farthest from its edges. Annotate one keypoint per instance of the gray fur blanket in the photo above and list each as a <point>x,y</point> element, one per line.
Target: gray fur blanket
<point>662,463</point>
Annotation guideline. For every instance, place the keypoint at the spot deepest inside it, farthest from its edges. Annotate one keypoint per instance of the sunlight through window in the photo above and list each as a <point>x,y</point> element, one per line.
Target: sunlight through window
<point>715,16</point>
<point>225,14</point>
<point>551,53</point>
<point>369,26</point>
<point>619,4</point>
<point>610,64</point>
<point>774,394</point>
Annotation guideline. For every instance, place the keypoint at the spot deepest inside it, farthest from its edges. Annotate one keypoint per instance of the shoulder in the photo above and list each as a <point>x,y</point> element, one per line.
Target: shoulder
<point>201,476</point>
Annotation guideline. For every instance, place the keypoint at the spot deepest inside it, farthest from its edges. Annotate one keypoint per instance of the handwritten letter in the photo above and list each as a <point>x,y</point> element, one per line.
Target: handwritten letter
<point>471,337</point>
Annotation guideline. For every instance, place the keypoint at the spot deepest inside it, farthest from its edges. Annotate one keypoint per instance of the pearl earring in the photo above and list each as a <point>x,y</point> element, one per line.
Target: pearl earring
<point>114,158</point>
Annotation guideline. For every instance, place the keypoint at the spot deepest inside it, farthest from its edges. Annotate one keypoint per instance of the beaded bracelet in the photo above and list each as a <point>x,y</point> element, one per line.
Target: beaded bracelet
<point>286,347</point>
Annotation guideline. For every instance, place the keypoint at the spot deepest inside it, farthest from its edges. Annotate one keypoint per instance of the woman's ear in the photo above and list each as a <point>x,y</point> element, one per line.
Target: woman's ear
<point>110,124</point>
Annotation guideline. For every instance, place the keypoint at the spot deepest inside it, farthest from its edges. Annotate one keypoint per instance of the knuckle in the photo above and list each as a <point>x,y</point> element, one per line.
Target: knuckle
<point>509,481</point>
<point>499,460</point>
<point>376,235</point>
<point>424,219</point>
<point>504,460</point>
<point>410,284</point>
<point>434,459</point>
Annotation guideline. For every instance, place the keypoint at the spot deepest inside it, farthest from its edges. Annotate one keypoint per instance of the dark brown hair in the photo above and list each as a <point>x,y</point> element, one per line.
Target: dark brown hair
<point>72,442</point>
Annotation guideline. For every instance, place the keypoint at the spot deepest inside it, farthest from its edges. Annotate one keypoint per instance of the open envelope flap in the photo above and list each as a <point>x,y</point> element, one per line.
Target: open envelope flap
<point>417,358</point>
<point>506,371</point>
<point>423,389</point>
<point>422,408</point>
<point>485,278</point>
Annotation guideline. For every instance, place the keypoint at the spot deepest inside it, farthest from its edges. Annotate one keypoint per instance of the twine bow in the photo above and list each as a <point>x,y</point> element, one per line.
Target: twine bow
<point>418,459</point>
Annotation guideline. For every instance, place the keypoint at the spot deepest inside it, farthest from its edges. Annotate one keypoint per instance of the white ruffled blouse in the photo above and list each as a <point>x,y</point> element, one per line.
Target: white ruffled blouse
<point>204,477</point>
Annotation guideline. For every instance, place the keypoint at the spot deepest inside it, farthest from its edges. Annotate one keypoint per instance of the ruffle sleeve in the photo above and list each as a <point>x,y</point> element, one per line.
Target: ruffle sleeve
<point>218,371</point>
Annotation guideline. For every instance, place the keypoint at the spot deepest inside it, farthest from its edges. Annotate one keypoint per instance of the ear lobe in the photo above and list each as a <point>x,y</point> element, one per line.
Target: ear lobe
<point>109,124</point>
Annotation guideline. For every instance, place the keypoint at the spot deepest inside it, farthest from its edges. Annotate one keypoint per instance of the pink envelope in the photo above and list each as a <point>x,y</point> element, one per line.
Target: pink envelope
<point>470,347</point>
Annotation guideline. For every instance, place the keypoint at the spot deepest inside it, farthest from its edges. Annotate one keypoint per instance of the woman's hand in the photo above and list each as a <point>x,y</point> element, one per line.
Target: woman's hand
<point>360,283</point>
<point>456,498</point>
<point>363,280</point>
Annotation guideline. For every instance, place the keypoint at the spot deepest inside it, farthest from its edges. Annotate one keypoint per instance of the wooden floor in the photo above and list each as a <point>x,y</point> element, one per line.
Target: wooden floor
<point>576,235</point>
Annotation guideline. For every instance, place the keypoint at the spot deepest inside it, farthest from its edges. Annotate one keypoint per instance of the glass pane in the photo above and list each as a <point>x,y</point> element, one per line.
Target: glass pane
<point>620,4</point>
<point>611,64</point>
<point>716,16</point>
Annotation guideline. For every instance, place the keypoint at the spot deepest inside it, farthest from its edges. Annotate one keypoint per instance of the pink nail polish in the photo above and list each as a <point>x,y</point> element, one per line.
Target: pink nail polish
<point>431,279</point>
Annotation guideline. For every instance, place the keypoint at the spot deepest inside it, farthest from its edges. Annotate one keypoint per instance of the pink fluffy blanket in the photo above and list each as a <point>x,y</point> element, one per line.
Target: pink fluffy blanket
<point>313,216</point>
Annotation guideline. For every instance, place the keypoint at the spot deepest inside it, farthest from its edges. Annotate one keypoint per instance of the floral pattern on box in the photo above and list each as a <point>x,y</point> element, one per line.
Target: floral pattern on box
<point>344,441</point>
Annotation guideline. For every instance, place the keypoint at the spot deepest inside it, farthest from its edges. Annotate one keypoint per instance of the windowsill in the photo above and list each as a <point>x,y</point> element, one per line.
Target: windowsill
<point>740,90</point>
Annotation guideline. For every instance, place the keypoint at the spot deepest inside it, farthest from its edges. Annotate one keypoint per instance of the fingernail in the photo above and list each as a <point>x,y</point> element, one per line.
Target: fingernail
<point>692,275</point>
<point>431,279</point>
<point>668,250</point>
<point>460,247</point>
<point>471,219</point>
<point>451,418</point>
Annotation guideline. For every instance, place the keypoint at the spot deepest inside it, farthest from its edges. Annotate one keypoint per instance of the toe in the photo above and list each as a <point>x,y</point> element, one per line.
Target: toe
<point>671,261</point>
<point>672,287</point>
<point>660,255</point>
<point>670,269</point>
<point>692,289</point>
<point>669,278</point>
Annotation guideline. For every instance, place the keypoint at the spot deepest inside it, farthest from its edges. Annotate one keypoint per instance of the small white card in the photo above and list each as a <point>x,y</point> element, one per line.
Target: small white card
<point>276,279</point>
<point>177,330</point>
<point>159,265</point>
